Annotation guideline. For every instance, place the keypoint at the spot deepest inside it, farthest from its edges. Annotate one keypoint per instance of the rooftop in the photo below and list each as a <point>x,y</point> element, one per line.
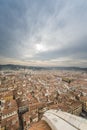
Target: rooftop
<point>41,125</point>
<point>58,120</point>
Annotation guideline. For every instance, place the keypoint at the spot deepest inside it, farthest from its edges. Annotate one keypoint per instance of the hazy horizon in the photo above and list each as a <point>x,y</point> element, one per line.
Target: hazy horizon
<point>43,33</point>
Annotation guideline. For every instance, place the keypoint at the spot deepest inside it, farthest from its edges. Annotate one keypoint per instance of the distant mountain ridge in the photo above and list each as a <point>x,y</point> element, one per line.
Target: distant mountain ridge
<point>17,67</point>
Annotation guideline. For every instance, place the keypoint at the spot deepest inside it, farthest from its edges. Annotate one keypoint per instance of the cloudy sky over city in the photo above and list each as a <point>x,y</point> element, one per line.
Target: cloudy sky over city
<point>43,32</point>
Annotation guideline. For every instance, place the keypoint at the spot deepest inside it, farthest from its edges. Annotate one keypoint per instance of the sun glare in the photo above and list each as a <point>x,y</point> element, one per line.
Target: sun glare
<point>40,47</point>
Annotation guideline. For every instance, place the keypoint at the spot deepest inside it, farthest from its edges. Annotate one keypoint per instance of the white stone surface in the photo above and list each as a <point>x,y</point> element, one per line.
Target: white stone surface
<point>59,120</point>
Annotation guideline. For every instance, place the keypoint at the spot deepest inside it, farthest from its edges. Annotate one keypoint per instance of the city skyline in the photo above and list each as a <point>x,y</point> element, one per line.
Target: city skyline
<point>43,33</point>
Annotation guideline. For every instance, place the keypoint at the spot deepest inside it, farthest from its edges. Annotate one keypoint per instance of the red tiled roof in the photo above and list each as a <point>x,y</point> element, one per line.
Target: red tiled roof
<point>41,125</point>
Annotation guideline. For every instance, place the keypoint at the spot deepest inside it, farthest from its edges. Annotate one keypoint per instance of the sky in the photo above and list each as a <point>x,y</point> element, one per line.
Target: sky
<point>43,32</point>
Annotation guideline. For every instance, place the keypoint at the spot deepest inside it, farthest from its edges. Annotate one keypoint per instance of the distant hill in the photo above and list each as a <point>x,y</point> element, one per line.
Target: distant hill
<point>17,67</point>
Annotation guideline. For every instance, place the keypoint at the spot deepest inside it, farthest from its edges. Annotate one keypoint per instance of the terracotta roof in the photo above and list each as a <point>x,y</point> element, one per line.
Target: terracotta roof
<point>41,125</point>
<point>83,98</point>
